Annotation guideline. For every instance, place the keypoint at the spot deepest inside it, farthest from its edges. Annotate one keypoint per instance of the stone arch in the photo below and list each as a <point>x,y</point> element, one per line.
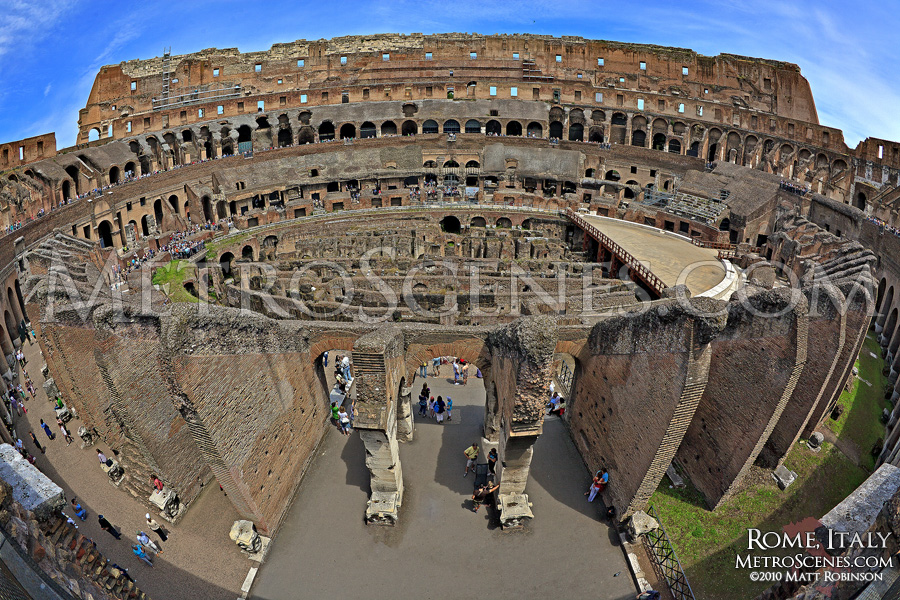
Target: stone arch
<point>598,116</point>
<point>173,202</point>
<point>409,128</point>
<point>473,164</point>
<point>838,166</point>
<point>493,127</point>
<point>535,130</point>
<point>612,175</point>
<point>67,189</point>
<point>477,222</point>
<point>860,201</point>
<point>113,175</point>
<point>348,131</point>
<point>21,299</point>
<point>430,126</point>
<point>104,232</point>
<point>595,134</point>
<point>514,128</point>
<point>225,262</point>
<point>388,128</point>
<point>576,132</point>
<point>557,114</point>
<point>207,209</point>
<point>451,126</point>
<point>639,138</point>
<point>675,146</point>
<point>368,130</point>
<point>879,296</point>
<point>247,252</point>
<point>450,224</point>
<point>326,131</point>
<point>307,135</point>
<point>658,142</point>
<point>285,136</point>
<point>504,223</point>
<point>556,130</point>
<point>473,126</point>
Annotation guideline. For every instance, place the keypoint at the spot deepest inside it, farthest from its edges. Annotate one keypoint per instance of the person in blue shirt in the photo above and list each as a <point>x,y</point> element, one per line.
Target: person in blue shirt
<point>448,406</point>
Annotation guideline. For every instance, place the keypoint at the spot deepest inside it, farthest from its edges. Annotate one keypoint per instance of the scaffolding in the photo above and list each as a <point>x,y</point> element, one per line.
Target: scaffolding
<point>195,96</point>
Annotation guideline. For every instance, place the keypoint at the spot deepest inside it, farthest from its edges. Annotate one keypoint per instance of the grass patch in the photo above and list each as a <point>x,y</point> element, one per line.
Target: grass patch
<point>707,543</point>
<point>170,279</point>
<point>861,421</point>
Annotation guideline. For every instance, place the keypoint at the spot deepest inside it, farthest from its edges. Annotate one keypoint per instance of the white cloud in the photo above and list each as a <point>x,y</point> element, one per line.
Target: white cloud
<point>23,24</point>
<point>47,89</point>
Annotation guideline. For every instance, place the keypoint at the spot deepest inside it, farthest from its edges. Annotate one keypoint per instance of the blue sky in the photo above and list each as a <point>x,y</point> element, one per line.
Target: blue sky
<point>50,50</point>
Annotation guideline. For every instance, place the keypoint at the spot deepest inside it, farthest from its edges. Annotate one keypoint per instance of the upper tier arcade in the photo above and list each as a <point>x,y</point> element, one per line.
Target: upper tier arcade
<point>144,95</point>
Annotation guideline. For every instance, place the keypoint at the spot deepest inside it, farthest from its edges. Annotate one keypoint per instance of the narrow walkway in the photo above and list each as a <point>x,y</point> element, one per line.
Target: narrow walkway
<point>199,561</point>
<point>441,549</point>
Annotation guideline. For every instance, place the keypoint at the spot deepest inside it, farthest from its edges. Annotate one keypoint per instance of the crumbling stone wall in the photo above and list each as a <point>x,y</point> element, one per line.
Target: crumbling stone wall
<point>637,385</point>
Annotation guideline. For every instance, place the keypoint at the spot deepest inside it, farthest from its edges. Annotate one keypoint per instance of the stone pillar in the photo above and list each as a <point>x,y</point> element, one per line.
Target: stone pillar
<point>405,423</point>
<point>378,362</point>
<point>515,461</point>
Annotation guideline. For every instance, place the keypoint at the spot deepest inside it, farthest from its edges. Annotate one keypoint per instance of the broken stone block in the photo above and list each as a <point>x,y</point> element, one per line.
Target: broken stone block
<point>815,441</point>
<point>784,476</point>
<point>674,477</point>
<point>641,523</point>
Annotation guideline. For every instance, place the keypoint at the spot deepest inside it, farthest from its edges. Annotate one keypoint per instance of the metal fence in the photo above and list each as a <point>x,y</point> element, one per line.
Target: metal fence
<point>665,561</point>
<point>565,377</point>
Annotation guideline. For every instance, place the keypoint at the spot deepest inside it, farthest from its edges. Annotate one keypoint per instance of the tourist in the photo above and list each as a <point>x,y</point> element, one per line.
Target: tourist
<point>423,404</point>
<point>108,528</point>
<point>465,372</point>
<point>144,540</point>
<point>156,528</point>
<point>344,420</point>
<point>65,432</point>
<point>483,495</point>
<point>436,366</point>
<point>46,429</point>
<point>471,456</point>
<point>597,485</point>
<point>431,407</point>
<point>139,552</point>
<point>492,461</point>
<point>36,443</point>
<point>423,370</point>
<point>554,401</point>
<point>439,408</point>
<point>325,358</point>
<point>345,365</point>
<point>449,408</point>
<point>335,414</point>
<point>79,512</point>
<point>14,406</point>
<point>157,484</point>
<point>103,460</point>
<point>455,371</point>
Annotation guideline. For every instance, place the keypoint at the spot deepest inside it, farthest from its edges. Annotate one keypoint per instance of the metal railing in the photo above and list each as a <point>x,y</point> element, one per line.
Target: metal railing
<point>665,561</point>
<point>564,377</point>
<point>637,268</point>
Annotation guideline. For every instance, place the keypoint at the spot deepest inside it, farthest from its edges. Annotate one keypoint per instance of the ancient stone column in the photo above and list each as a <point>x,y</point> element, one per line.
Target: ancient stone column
<point>378,368</point>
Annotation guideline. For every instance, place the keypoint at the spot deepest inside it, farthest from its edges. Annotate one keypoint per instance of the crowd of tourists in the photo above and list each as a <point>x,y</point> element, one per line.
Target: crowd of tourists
<point>793,188</point>
<point>883,225</point>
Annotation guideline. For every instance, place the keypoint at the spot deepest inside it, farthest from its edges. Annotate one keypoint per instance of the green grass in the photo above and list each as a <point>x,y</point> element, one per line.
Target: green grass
<point>170,280</point>
<point>707,542</point>
<point>861,422</point>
